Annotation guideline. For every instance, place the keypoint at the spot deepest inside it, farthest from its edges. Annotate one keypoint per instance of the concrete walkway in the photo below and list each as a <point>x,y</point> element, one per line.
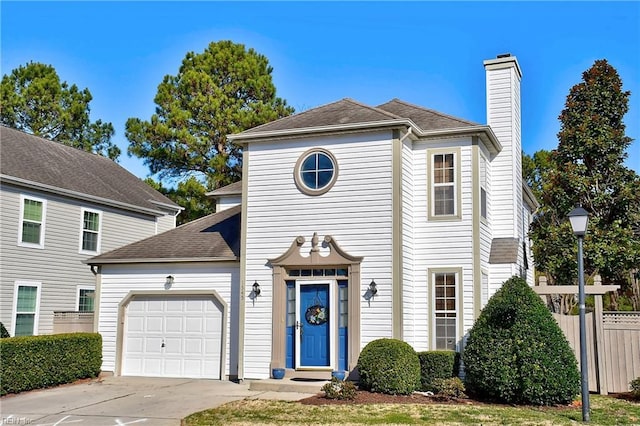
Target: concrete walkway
<point>127,401</point>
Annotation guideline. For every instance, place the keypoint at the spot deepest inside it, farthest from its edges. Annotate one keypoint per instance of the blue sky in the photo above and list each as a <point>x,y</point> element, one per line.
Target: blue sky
<point>427,53</point>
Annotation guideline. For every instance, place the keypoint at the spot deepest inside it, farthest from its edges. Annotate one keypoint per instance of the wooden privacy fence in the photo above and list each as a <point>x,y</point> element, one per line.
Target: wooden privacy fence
<point>613,338</point>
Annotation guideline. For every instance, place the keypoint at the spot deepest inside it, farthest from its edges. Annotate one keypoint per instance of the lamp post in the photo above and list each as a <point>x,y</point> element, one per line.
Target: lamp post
<point>579,219</point>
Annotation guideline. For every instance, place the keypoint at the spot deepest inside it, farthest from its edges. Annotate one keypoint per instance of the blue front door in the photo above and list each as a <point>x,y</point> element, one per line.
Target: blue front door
<point>314,325</point>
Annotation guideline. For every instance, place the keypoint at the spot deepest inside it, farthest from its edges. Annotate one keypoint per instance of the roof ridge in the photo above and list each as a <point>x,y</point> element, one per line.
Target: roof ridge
<point>432,111</point>
<point>295,114</point>
<point>373,108</point>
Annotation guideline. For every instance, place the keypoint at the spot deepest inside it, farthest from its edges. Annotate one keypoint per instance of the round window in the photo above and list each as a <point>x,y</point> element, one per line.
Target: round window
<point>316,172</point>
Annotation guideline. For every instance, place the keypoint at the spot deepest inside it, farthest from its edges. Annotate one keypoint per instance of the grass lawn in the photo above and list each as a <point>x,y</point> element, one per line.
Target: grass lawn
<point>604,411</point>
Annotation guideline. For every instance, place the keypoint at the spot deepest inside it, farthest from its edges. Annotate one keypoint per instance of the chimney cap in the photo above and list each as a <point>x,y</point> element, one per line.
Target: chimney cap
<point>504,55</point>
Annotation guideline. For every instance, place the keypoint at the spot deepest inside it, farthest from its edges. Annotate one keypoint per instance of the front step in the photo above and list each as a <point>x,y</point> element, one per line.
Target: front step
<point>287,385</point>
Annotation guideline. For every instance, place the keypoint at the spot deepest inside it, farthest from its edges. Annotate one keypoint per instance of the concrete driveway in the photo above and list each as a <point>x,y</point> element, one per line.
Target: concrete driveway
<point>126,401</point>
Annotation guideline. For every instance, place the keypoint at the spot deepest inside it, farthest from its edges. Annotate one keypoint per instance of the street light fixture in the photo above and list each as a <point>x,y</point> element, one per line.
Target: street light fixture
<point>579,219</point>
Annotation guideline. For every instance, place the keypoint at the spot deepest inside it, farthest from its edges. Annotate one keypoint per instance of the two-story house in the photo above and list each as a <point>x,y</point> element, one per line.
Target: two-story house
<point>354,222</point>
<point>59,206</point>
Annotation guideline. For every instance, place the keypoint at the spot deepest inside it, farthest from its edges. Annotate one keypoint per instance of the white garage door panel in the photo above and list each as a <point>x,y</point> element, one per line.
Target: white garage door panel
<point>178,336</point>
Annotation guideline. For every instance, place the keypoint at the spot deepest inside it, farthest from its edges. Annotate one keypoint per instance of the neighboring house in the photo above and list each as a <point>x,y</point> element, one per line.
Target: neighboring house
<point>353,223</point>
<point>59,206</point>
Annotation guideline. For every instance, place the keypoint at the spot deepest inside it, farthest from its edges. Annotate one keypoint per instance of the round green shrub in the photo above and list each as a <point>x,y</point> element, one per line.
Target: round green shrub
<point>516,352</point>
<point>389,366</point>
<point>437,365</point>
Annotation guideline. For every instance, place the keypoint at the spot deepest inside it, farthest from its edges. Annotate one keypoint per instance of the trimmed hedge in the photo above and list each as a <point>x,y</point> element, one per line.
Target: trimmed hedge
<point>437,365</point>
<point>516,352</point>
<point>389,366</point>
<point>34,362</point>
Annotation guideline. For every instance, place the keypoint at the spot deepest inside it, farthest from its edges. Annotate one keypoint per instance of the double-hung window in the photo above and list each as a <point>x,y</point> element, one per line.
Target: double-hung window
<point>444,177</point>
<point>26,307</point>
<point>446,310</point>
<point>32,221</point>
<point>85,300</point>
<point>90,233</point>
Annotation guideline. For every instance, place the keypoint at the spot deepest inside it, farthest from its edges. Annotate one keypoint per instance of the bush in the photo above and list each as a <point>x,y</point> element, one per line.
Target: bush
<point>635,388</point>
<point>450,388</point>
<point>437,365</point>
<point>389,366</point>
<point>516,353</point>
<point>3,331</point>
<point>34,362</point>
<point>339,389</point>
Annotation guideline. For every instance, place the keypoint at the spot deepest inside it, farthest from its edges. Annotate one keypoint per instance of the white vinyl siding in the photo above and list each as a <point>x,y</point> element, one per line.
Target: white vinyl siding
<point>408,285</point>
<point>26,307</point>
<point>356,212</point>
<point>90,233</point>
<point>32,222</point>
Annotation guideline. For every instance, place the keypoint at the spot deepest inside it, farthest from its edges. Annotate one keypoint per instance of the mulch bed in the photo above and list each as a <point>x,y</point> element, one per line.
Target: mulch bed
<point>365,397</point>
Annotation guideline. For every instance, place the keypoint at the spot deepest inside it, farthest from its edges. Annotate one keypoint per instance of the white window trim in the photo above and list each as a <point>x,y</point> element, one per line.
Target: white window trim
<point>99,245</point>
<point>36,318</point>
<point>42,223</point>
<point>457,186</point>
<point>432,304</point>
<point>83,287</point>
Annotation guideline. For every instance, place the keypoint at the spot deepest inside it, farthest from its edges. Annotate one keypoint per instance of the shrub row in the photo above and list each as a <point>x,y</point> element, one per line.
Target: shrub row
<point>34,362</point>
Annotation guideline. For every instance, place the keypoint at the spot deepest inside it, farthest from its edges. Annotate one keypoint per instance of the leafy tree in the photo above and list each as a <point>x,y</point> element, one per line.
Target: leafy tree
<point>225,89</point>
<point>35,101</point>
<point>588,169</point>
<point>517,353</point>
<point>189,194</point>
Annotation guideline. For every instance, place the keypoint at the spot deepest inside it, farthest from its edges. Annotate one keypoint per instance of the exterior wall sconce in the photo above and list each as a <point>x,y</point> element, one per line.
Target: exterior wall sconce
<point>373,288</point>
<point>256,288</point>
<point>168,282</point>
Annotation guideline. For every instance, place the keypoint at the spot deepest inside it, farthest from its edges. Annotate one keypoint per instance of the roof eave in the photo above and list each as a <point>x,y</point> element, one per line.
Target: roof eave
<point>96,262</point>
<point>243,138</point>
<point>529,197</point>
<point>81,196</point>
<point>485,133</point>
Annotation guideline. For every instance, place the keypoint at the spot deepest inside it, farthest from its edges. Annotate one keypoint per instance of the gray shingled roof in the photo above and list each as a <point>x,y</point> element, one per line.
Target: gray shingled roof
<point>232,189</point>
<point>348,111</point>
<point>25,157</point>
<point>345,111</point>
<point>426,119</point>
<point>504,250</point>
<point>215,237</point>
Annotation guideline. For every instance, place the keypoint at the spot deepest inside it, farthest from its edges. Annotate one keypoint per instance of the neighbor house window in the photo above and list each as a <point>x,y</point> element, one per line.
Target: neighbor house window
<point>85,299</point>
<point>32,220</point>
<point>444,197</point>
<point>445,310</point>
<point>316,171</point>
<point>91,224</point>
<point>26,305</point>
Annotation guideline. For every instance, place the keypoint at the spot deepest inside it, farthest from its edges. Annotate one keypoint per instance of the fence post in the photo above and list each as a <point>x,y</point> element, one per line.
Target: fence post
<point>599,338</point>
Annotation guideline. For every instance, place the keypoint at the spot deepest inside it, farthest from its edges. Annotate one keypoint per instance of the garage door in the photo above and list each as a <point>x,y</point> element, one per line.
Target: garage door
<point>177,336</point>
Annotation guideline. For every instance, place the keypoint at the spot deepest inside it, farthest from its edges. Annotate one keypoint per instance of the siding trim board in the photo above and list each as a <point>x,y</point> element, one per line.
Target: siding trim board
<point>396,267</point>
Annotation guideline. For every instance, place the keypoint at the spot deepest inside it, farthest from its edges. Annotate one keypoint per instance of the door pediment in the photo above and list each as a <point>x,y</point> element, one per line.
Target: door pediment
<point>336,256</point>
